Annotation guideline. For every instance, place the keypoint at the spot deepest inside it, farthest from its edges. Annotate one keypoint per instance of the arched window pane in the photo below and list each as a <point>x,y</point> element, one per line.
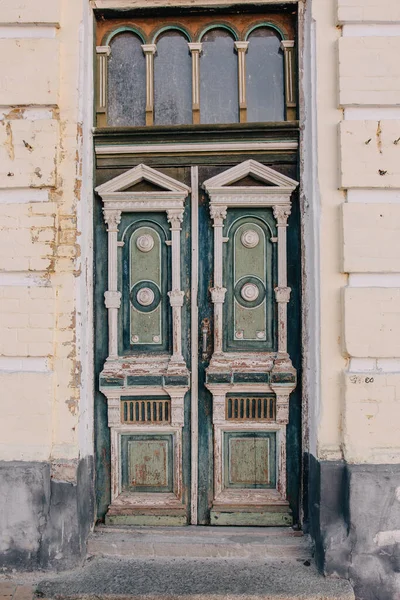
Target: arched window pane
<point>172,80</point>
<point>218,78</point>
<point>264,74</point>
<point>126,82</point>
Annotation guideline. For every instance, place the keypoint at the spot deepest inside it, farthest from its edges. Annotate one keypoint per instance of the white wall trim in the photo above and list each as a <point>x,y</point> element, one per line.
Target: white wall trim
<point>17,364</point>
<point>23,195</point>
<point>371,113</point>
<point>30,113</point>
<point>310,223</point>
<point>376,365</point>
<point>359,365</point>
<point>373,196</point>
<point>25,279</point>
<point>384,280</point>
<point>84,283</point>
<point>24,30</point>
<point>370,30</point>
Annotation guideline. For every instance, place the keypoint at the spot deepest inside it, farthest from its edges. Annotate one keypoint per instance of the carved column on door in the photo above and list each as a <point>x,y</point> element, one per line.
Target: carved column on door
<point>176,295</point>
<point>102,52</point>
<point>290,87</point>
<point>218,215</point>
<point>149,52</point>
<point>241,48</point>
<point>195,50</point>
<point>282,292</point>
<point>112,296</point>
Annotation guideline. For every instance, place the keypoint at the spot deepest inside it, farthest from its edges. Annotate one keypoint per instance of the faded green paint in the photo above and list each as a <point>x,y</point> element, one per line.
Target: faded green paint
<point>146,326</point>
<point>249,261</point>
<point>249,459</point>
<point>147,520</point>
<point>137,270</point>
<point>249,324</point>
<point>250,321</point>
<point>145,267</point>
<point>177,166</point>
<point>250,519</point>
<point>147,462</point>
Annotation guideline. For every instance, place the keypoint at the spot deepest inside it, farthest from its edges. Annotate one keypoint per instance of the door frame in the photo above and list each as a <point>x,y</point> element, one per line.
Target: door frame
<point>279,140</point>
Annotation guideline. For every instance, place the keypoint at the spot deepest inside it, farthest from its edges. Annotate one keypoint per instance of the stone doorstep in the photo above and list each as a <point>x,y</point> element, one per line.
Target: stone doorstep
<point>199,542</point>
<point>194,579</point>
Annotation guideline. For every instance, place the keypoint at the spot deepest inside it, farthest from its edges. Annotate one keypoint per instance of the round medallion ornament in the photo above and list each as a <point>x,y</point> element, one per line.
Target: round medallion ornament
<point>145,296</point>
<point>145,243</point>
<point>250,238</point>
<point>250,292</point>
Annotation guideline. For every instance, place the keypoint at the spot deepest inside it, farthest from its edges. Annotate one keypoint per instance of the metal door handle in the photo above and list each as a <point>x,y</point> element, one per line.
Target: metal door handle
<point>205,329</point>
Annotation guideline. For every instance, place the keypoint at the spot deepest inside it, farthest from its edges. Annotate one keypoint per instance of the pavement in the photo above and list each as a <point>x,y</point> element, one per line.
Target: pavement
<point>15,591</point>
<point>186,564</point>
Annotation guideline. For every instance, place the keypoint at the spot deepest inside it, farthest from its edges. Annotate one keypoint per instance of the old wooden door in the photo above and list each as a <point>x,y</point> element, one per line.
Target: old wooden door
<point>198,374</point>
<point>197,267</point>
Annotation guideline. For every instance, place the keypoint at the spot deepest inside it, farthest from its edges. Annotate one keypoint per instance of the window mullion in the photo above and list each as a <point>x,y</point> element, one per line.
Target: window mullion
<point>241,48</point>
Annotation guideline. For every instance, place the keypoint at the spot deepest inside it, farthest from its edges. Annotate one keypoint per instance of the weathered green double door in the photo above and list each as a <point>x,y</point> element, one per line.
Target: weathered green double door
<point>197,329</point>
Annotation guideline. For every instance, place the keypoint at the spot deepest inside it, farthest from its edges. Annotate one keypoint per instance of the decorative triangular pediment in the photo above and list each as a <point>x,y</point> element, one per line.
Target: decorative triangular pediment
<point>253,169</point>
<point>142,173</point>
<point>272,188</point>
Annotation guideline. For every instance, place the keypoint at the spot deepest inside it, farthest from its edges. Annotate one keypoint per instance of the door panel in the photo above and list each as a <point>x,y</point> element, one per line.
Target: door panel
<point>245,373</point>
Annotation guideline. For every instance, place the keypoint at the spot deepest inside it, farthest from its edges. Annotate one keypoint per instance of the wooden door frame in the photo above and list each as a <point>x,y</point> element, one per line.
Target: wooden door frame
<point>278,141</point>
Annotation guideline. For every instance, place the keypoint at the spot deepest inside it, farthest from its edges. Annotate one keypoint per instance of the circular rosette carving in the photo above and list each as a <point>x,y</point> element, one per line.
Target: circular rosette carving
<point>249,292</point>
<point>145,296</point>
<point>145,242</point>
<point>250,238</point>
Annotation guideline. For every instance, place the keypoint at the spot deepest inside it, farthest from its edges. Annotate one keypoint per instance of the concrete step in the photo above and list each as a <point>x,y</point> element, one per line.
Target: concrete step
<point>196,563</point>
<point>199,542</point>
<point>194,579</point>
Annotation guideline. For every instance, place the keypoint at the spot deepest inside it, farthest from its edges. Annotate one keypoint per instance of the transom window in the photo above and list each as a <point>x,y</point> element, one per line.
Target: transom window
<point>195,72</point>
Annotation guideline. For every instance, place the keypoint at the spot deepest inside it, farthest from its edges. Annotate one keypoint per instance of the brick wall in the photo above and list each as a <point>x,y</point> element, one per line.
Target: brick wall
<point>40,251</point>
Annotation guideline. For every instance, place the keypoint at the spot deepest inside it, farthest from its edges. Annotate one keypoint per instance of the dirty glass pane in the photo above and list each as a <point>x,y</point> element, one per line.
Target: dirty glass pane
<point>172,80</point>
<point>218,79</point>
<point>126,82</point>
<point>264,74</point>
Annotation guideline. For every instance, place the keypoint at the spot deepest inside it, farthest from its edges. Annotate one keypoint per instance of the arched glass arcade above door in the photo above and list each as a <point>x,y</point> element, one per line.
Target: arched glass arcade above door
<point>175,76</point>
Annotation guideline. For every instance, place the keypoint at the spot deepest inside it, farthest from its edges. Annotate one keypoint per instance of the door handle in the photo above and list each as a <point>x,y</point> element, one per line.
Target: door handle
<point>205,330</point>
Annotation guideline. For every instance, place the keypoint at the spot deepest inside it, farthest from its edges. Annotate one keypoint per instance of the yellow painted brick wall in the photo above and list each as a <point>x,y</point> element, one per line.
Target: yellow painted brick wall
<point>27,236</point>
<point>26,422</point>
<point>29,71</point>
<point>26,11</point>
<point>371,417</point>
<point>369,70</point>
<point>371,240</point>
<point>28,152</point>
<point>372,322</point>
<point>27,321</point>
<point>374,11</point>
<point>40,192</point>
<point>370,154</point>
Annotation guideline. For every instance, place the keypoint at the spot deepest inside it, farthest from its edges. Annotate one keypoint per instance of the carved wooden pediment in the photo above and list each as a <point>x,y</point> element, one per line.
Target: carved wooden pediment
<point>117,195</point>
<point>136,175</point>
<point>277,188</point>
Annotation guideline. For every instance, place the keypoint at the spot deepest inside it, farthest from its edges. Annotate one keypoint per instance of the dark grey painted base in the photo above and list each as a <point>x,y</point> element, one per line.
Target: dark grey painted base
<point>349,505</point>
<point>44,523</point>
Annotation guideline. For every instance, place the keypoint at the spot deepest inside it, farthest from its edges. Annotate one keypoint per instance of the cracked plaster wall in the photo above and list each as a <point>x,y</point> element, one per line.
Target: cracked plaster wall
<point>46,445</point>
